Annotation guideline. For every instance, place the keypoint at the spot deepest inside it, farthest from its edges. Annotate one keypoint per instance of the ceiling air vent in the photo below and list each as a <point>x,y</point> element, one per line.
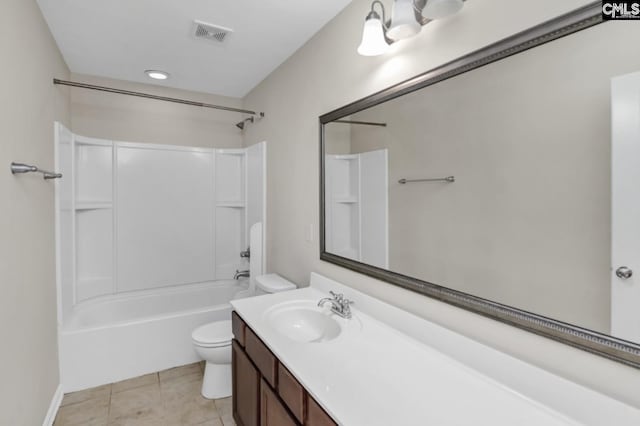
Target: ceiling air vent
<point>211,32</point>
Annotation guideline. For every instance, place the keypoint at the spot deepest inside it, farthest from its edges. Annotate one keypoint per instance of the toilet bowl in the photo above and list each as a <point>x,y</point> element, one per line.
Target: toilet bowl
<point>212,342</point>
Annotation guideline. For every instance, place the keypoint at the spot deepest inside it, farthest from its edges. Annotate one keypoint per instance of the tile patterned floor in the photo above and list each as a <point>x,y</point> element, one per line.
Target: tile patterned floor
<point>168,398</point>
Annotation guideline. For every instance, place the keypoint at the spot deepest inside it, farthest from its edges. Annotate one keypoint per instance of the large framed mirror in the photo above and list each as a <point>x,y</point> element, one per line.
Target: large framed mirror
<point>505,182</point>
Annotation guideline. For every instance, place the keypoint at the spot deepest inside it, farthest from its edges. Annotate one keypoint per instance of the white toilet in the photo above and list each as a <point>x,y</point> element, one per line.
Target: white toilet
<point>213,342</point>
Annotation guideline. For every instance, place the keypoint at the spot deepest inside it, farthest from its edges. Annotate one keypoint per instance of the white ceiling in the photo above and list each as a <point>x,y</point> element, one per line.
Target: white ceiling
<point>123,38</point>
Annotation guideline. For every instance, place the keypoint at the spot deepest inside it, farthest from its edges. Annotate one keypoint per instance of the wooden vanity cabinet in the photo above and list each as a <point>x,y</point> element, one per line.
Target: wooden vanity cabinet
<point>272,410</point>
<point>292,393</point>
<point>238,328</point>
<point>245,388</point>
<point>316,415</point>
<point>265,393</point>
<point>262,357</point>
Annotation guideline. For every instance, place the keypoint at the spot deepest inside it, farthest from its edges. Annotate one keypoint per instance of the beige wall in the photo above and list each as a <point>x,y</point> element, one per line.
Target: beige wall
<point>131,119</point>
<point>527,222</point>
<point>337,138</point>
<point>327,73</point>
<point>29,105</point>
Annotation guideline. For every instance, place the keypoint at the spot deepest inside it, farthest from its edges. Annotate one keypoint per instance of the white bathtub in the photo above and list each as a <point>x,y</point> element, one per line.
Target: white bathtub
<point>124,336</point>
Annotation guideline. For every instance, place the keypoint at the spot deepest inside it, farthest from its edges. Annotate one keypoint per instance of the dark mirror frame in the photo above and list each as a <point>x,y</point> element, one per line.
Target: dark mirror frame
<point>594,342</point>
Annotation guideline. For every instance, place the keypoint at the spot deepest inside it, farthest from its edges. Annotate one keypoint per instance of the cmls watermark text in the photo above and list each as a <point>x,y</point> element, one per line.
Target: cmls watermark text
<point>620,10</point>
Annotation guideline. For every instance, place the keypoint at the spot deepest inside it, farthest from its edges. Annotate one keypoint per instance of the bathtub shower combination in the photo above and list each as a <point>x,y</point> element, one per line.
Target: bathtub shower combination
<point>148,242</point>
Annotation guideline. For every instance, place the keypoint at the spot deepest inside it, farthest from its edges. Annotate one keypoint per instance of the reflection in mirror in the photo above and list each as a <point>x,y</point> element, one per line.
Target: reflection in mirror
<point>543,147</point>
<point>356,199</point>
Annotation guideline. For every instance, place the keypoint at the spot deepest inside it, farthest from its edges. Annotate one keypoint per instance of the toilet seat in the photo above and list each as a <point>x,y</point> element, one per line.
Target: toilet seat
<point>213,335</point>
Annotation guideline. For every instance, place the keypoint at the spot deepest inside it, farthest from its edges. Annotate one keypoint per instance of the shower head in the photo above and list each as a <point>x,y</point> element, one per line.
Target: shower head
<point>240,125</point>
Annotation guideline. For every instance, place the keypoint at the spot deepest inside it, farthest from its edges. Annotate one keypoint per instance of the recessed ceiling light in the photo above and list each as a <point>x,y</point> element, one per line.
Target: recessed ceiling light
<point>157,75</point>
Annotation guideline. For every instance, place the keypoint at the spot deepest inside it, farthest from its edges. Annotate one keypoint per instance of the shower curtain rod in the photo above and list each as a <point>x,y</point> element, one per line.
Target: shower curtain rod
<point>366,123</point>
<point>149,96</point>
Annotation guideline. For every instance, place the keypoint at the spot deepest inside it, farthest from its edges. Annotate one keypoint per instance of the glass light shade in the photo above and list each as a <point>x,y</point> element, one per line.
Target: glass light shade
<point>438,9</point>
<point>373,42</point>
<point>157,75</point>
<point>403,21</point>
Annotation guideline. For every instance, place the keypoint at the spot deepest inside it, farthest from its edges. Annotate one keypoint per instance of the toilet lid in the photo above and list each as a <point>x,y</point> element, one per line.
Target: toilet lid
<point>274,283</point>
<point>213,334</point>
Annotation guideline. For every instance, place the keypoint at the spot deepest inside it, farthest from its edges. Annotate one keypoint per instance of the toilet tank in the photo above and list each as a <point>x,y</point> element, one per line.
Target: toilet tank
<point>273,283</point>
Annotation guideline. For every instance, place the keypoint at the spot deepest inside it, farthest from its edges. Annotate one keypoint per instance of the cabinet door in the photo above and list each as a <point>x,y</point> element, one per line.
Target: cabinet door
<point>316,415</point>
<point>246,388</point>
<point>272,410</point>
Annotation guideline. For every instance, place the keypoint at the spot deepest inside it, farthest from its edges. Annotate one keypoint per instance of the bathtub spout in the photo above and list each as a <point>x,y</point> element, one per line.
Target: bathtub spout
<point>240,274</point>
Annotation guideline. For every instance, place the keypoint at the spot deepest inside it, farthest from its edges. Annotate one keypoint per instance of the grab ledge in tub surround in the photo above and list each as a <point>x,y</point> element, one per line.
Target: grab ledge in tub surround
<point>393,367</point>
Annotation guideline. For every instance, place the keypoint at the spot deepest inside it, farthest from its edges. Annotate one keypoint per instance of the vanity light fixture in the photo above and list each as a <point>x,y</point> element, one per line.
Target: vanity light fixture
<point>403,22</point>
<point>408,18</point>
<point>438,9</point>
<point>374,41</point>
<point>157,75</point>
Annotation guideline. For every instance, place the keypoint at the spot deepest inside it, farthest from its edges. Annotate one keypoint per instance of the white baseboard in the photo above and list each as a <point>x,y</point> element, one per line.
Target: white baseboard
<point>53,408</point>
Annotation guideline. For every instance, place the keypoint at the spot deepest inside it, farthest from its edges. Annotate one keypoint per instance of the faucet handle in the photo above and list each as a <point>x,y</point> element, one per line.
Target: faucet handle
<point>343,301</point>
<point>346,304</point>
<point>339,297</point>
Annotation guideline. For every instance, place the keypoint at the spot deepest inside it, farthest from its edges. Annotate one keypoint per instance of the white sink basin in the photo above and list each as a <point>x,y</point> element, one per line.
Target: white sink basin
<point>303,322</point>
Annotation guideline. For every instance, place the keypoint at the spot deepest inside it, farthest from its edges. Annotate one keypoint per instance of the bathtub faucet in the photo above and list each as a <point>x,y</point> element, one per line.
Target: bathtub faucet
<point>240,274</point>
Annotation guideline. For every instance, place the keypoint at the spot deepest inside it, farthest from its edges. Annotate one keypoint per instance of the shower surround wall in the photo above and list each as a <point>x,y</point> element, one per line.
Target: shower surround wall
<point>143,229</point>
<point>113,117</point>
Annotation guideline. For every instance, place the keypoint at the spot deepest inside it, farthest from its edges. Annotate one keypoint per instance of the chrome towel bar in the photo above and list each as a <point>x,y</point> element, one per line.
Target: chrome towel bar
<point>448,179</point>
<point>26,168</point>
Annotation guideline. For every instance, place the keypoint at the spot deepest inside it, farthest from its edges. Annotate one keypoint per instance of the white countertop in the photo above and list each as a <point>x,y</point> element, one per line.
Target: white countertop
<point>374,374</point>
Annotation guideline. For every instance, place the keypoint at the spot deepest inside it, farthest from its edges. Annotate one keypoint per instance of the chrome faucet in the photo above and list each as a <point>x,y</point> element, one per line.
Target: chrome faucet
<point>340,305</point>
<point>246,253</point>
<point>240,274</point>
